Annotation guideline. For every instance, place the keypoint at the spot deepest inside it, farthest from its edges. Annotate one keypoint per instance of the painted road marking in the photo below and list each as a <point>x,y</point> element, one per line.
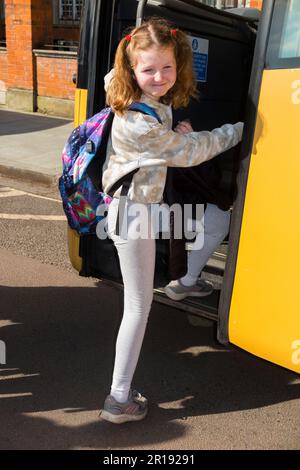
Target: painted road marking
<point>15,395</point>
<point>7,192</point>
<point>17,376</point>
<point>10,192</point>
<point>33,217</point>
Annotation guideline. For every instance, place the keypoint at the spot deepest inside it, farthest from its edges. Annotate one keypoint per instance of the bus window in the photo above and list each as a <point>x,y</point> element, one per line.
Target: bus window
<point>290,44</point>
<point>284,42</point>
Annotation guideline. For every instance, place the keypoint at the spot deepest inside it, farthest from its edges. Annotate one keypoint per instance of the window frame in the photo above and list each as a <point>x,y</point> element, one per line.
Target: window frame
<point>58,13</point>
<point>2,12</point>
<point>225,4</point>
<point>273,61</point>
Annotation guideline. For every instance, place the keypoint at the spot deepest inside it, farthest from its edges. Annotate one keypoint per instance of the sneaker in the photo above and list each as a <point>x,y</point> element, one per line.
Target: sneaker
<point>134,409</point>
<point>177,291</point>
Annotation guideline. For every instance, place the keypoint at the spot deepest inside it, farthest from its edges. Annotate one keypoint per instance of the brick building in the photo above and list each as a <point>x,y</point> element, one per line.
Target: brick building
<point>38,52</point>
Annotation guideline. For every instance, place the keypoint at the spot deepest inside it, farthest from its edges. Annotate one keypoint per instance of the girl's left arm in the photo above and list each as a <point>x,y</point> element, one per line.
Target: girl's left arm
<point>160,146</point>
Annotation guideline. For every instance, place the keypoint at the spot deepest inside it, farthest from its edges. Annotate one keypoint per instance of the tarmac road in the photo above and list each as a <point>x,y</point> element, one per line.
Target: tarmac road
<point>59,330</point>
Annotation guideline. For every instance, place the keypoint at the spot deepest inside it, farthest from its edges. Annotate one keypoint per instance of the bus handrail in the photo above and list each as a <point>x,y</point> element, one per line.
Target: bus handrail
<point>140,12</point>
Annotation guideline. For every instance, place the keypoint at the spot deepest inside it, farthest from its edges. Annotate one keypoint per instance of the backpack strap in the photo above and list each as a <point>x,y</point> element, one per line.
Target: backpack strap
<point>122,201</point>
<point>145,109</point>
<point>126,180</point>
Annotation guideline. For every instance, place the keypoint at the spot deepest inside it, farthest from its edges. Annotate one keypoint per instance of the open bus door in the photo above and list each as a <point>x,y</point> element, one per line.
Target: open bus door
<point>260,303</point>
<point>256,305</point>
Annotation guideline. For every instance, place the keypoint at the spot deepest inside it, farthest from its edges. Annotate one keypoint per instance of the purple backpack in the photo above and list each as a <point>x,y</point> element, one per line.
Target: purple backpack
<point>83,156</point>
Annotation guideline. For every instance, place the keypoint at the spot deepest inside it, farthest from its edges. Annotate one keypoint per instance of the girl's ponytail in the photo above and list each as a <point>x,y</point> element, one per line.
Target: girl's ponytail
<point>123,89</point>
<point>186,85</point>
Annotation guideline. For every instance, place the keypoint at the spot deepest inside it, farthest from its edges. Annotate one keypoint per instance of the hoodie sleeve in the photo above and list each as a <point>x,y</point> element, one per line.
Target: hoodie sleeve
<point>160,146</point>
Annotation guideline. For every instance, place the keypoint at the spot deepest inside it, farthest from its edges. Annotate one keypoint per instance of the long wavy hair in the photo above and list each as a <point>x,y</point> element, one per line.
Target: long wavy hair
<point>123,88</point>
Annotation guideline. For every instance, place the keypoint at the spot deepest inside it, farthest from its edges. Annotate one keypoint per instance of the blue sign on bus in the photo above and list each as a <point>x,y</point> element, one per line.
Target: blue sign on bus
<point>200,57</point>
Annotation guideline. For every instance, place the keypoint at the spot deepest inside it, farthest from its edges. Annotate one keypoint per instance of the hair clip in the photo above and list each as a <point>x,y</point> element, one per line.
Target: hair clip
<point>173,32</point>
<point>128,37</point>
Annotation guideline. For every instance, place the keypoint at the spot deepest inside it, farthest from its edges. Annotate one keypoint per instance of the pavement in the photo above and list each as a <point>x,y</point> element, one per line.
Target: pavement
<point>31,145</point>
<point>59,332</point>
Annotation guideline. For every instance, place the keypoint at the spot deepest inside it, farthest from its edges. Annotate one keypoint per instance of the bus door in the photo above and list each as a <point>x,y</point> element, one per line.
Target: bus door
<point>260,302</point>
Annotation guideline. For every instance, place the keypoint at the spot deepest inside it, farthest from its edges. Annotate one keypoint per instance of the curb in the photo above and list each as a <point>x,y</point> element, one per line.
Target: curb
<point>28,175</point>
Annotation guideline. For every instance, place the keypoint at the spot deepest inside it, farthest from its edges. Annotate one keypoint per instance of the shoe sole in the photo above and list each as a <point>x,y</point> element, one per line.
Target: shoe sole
<point>120,419</point>
<point>175,296</point>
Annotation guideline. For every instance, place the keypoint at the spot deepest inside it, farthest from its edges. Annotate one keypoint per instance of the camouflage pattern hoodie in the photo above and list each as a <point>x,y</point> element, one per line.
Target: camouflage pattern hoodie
<point>140,141</point>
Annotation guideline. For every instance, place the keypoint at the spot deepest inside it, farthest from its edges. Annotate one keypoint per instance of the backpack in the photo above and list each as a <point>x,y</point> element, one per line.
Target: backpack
<point>83,157</point>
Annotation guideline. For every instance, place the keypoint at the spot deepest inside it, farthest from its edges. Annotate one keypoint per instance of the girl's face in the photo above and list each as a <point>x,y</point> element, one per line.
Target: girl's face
<point>155,71</point>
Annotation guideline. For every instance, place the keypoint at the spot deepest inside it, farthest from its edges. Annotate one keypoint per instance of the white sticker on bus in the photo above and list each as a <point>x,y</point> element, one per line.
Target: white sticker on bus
<point>2,352</point>
<point>296,93</point>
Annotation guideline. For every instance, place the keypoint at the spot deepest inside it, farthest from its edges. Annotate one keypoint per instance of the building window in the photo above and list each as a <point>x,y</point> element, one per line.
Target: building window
<point>2,14</point>
<point>70,10</point>
<point>226,3</point>
<point>2,24</point>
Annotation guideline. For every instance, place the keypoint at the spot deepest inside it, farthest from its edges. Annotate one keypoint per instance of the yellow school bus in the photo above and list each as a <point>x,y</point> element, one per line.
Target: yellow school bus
<point>250,71</point>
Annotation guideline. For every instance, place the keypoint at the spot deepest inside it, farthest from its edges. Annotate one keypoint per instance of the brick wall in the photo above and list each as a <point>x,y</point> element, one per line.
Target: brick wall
<point>54,77</point>
<point>256,4</point>
<point>29,26</point>
<point>18,25</point>
<point>3,75</point>
<point>3,68</point>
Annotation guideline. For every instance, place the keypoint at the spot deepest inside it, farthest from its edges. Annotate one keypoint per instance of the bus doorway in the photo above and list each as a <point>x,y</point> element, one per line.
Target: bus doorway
<point>223,50</point>
<point>255,309</point>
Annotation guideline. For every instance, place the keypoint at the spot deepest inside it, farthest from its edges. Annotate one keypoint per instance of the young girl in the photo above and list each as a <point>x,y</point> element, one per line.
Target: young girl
<point>153,65</point>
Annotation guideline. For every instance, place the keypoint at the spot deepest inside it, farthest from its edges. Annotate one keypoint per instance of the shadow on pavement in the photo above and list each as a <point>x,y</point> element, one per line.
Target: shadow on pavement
<point>60,347</point>
<point>22,123</point>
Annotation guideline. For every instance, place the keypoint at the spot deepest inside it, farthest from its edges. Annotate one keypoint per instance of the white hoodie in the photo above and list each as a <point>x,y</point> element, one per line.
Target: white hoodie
<point>140,141</point>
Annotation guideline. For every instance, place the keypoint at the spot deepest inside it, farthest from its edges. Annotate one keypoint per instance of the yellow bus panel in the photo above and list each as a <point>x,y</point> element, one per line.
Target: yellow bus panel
<point>79,117</point>
<point>265,307</point>
<point>73,248</point>
<point>80,106</point>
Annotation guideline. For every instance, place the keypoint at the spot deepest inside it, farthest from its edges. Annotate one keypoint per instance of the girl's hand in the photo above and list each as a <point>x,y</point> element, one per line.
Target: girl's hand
<point>183,127</point>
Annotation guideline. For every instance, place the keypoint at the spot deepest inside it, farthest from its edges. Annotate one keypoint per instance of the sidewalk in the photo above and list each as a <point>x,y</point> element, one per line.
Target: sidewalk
<point>31,145</point>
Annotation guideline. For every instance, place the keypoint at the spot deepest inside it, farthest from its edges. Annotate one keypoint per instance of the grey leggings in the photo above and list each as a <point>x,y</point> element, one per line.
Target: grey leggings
<point>137,261</point>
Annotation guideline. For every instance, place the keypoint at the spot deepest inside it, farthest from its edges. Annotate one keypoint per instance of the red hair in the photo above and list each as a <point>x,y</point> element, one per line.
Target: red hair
<point>123,89</point>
